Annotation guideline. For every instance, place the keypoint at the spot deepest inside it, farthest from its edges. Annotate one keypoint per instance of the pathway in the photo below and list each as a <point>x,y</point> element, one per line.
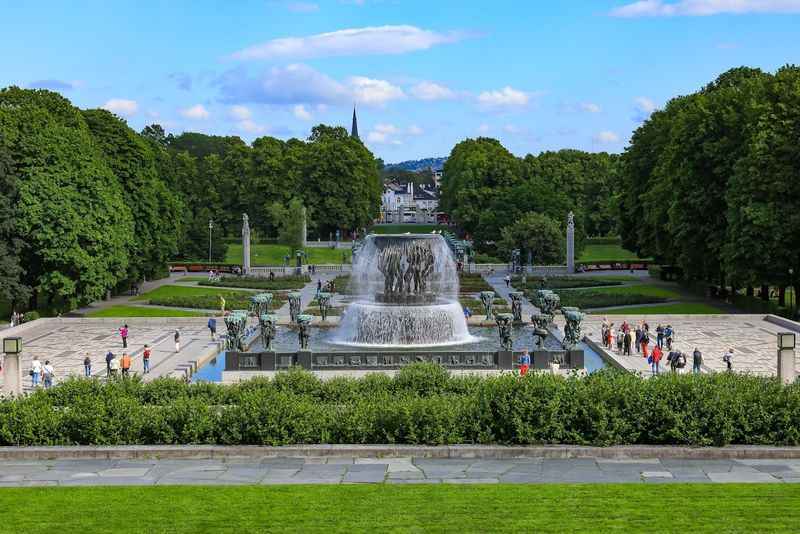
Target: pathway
<point>307,294</point>
<point>409,470</point>
<point>499,286</point>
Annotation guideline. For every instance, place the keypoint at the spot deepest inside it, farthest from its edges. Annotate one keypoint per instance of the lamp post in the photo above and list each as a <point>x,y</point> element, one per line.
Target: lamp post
<point>210,227</point>
<point>12,385</point>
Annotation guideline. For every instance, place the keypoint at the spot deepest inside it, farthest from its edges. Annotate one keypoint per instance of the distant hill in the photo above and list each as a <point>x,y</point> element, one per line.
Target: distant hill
<point>417,165</point>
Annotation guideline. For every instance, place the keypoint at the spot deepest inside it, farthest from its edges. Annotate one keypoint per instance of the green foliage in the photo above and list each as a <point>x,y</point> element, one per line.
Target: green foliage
<point>273,254</point>
<point>536,233</point>
<point>472,283</point>
<point>205,302</point>
<point>421,405</point>
<point>534,282</point>
<point>717,171</point>
<point>30,316</point>
<point>142,311</point>
<point>290,220</point>
<point>678,308</point>
<point>616,296</point>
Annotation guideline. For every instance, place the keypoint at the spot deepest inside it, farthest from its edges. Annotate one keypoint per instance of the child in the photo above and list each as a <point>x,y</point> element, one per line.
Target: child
<point>524,363</point>
<point>146,359</point>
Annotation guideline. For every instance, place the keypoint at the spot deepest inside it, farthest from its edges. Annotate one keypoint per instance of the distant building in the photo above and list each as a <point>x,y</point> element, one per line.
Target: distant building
<point>407,203</point>
<point>437,178</point>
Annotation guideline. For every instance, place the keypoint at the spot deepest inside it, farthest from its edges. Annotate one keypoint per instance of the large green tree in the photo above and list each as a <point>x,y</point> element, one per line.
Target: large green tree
<point>538,234</point>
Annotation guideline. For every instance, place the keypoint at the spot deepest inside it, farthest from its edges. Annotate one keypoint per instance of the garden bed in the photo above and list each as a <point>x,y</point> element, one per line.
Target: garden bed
<point>260,282</point>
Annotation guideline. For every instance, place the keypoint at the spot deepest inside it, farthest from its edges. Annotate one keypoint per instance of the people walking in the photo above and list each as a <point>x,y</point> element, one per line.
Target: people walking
<point>319,287</point>
<point>113,367</point>
<point>87,366</point>
<point>508,280</point>
<point>123,332</point>
<point>668,333</point>
<point>524,363</point>
<point>627,342</point>
<point>126,365</point>
<point>620,340</point>
<point>36,371</point>
<point>212,327</point>
<point>146,359</point>
<point>109,357</point>
<point>728,359</point>
<point>177,341</point>
<point>697,360</point>
<point>655,359</point>
<point>48,373</point>
<point>638,334</point>
<point>660,336</point>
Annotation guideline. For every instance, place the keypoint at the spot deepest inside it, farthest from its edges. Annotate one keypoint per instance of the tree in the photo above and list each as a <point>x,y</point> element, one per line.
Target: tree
<point>157,213</point>
<point>155,133</point>
<point>71,217</point>
<point>536,233</point>
<point>289,222</point>
<point>11,287</point>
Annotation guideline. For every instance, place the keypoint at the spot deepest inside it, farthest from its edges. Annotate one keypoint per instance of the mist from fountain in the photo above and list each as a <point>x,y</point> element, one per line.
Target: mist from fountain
<point>405,295</point>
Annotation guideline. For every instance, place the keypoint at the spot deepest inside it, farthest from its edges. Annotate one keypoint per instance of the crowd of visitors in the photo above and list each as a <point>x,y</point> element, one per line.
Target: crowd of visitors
<point>628,340</point>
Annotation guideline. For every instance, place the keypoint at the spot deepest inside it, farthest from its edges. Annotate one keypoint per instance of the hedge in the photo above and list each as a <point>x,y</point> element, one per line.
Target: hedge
<point>211,302</point>
<point>422,404</point>
<point>260,282</point>
<point>533,283</point>
<point>596,299</point>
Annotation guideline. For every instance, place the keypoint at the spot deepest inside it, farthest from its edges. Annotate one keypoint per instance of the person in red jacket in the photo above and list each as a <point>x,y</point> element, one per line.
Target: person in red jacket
<point>655,359</point>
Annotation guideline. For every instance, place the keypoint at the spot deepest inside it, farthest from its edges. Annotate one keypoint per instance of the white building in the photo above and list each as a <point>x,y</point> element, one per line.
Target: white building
<point>406,203</point>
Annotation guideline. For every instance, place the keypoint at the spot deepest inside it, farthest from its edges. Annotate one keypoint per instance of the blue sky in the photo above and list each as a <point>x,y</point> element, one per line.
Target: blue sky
<point>425,74</point>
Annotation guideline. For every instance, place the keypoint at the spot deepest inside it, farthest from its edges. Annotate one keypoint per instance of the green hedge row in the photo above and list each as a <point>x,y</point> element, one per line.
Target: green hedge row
<point>209,302</point>
<point>533,283</point>
<point>259,282</point>
<point>421,405</point>
<point>596,299</point>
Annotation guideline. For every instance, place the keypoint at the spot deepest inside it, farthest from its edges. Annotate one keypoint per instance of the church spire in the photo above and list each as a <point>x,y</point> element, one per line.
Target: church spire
<point>354,129</point>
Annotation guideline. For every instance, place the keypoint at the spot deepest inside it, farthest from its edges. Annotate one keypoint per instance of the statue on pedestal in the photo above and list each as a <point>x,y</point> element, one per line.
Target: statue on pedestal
<point>504,324</point>
<point>236,324</point>
<point>303,321</point>
<point>516,305</point>
<point>294,305</point>
<point>540,323</point>
<point>260,304</point>
<point>572,328</point>
<point>269,329</point>
<point>245,244</point>
<point>324,301</point>
<point>487,298</point>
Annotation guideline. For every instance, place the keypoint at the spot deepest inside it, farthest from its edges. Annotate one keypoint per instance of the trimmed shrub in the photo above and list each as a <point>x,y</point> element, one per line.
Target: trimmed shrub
<point>259,282</point>
<point>422,404</point>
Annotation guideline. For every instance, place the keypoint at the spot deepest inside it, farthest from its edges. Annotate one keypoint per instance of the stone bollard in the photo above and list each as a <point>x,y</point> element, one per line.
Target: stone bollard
<point>787,371</point>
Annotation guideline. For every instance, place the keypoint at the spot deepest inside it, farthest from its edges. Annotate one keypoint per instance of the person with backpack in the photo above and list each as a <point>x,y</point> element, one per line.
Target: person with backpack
<point>48,373</point>
<point>728,359</point>
<point>109,357</point>
<point>36,371</point>
<point>146,359</point>
<point>638,334</point>
<point>177,338</point>
<point>654,359</point>
<point>668,336</point>
<point>680,362</point>
<point>123,332</point>
<point>87,366</point>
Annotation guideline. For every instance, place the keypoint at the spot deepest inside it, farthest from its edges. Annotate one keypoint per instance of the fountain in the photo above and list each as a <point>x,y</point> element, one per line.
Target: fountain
<point>406,289</point>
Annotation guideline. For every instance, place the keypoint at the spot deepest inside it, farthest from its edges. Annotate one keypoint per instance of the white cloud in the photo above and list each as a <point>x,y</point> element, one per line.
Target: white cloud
<point>240,113</point>
<point>301,112</point>
<point>383,134</point>
<point>374,92</point>
<point>196,112</point>
<point>590,107</point>
<point>432,91</point>
<point>606,137</point>
<point>505,97</point>
<point>370,40</point>
<point>302,7</point>
<point>415,130</point>
<point>511,129</point>
<point>248,126</point>
<point>122,107</point>
<point>662,8</point>
<point>483,129</point>
<point>292,84</point>
<point>645,105</point>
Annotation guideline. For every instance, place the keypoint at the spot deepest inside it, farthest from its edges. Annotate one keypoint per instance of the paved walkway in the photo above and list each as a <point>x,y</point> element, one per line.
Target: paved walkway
<point>343,470</point>
<point>307,294</point>
<point>499,286</point>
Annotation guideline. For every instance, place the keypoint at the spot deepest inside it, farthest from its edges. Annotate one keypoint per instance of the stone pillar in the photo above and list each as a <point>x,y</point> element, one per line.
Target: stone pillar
<point>304,237</point>
<point>786,366</point>
<point>245,244</point>
<point>571,243</point>
<point>12,374</point>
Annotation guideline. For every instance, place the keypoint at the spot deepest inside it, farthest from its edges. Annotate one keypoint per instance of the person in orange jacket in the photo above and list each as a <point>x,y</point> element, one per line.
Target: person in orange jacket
<point>125,364</point>
<point>655,359</point>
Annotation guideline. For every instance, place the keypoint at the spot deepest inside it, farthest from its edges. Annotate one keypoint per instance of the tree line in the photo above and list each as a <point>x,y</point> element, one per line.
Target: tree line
<point>88,205</point>
<point>711,183</point>
<point>504,202</point>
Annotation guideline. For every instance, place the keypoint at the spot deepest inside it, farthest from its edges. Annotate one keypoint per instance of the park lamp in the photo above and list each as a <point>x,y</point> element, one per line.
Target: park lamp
<point>786,340</point>
<point>12,345</point>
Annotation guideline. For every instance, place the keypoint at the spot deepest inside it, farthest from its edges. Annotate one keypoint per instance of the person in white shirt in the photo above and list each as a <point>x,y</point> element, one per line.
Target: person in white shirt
<point>36,371</point>
<point>728,359</point>
<point>49,374</point>
<point>113,366</point>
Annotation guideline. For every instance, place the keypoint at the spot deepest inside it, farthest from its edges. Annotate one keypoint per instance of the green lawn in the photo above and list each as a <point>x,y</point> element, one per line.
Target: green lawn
<point>182,291</point>
<point>639,289</point>
<point>679,308</point>
<point>559,508</point>
<point>191,279</point>
<point>403,228</point>
<point>606,253</point>
<point>139,311</point>
<point>274,254</point>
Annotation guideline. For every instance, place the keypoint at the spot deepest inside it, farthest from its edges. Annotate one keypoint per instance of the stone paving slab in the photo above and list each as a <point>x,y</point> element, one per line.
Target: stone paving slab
<point>352,470</point>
